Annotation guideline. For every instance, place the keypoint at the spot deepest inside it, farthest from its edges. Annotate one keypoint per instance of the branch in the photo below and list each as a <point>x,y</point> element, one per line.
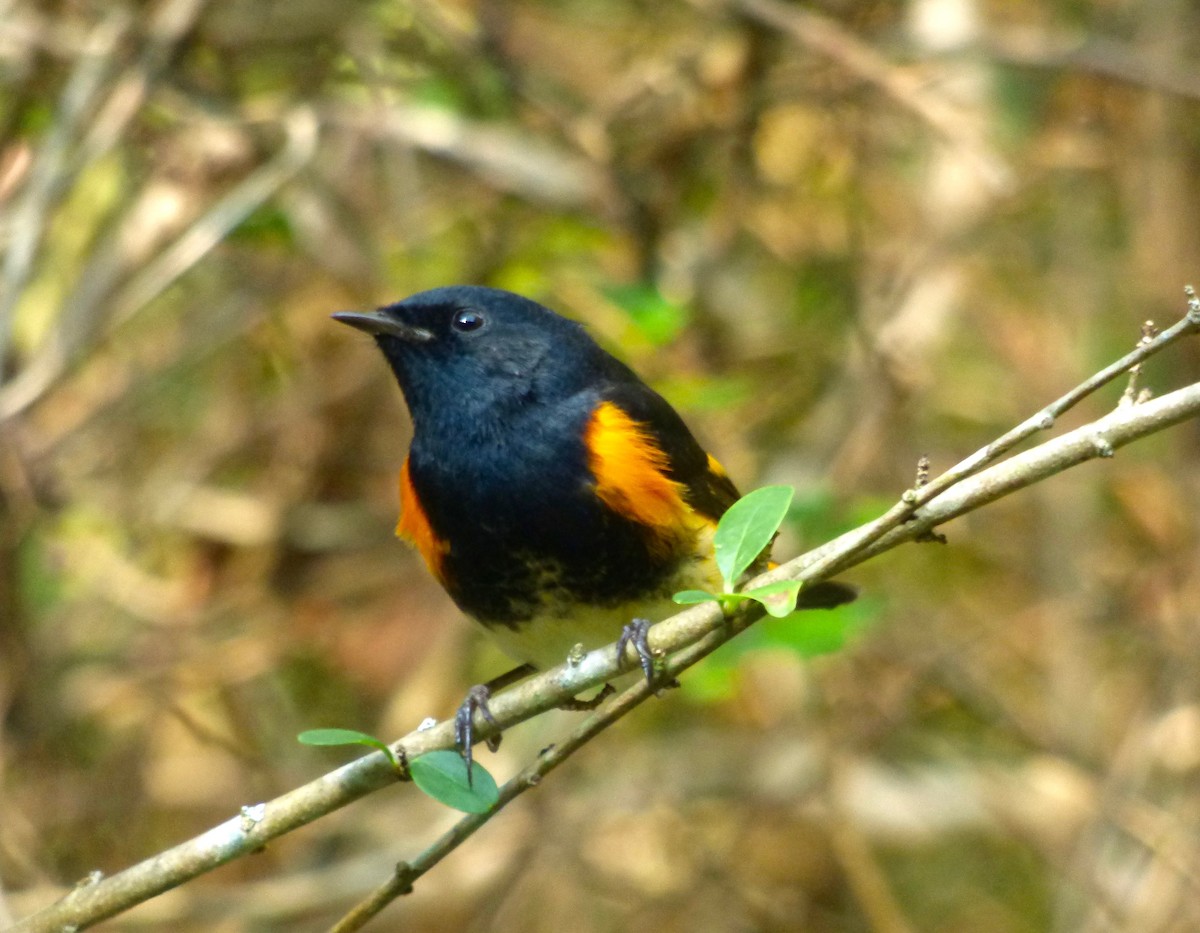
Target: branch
<point>684,639</point>
<point>1107,58</point>
<point>506,159</point>
<point>1100,439</point>
<point>912,500</point>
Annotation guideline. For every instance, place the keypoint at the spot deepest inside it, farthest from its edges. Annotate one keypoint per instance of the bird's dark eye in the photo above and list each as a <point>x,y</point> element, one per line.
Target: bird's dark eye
<point>467,321</point>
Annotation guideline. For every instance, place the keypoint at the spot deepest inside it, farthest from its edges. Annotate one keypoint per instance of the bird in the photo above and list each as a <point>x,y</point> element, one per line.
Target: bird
<point>556,497</point>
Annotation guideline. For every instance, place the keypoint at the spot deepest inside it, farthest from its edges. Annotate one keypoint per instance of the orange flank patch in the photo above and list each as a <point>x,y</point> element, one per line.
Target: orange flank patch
<point>631,476</point>
<point>414,527</point>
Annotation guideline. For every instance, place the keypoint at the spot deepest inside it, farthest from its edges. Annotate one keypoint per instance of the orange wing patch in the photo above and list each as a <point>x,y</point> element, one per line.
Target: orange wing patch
<point>414,527</point>
<point>631,476</point>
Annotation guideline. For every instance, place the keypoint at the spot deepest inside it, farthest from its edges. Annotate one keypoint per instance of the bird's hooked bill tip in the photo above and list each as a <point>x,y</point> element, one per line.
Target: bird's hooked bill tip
<point>380,322</point>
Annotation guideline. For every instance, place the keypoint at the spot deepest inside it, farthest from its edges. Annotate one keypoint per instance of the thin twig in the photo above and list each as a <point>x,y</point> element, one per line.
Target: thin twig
<point>917,497</point>
<point>1045,419</point>
<point>911,90</point>
<point>1133,391</point>
<point>52,168</point>
<point>550,758</point>
<point>508,160</point>
<point>1125,62</point>
<point>864,875</point>
<point>156,275</point>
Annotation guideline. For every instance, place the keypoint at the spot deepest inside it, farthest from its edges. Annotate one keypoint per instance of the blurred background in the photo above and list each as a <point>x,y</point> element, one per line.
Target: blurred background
<point>837,235</point>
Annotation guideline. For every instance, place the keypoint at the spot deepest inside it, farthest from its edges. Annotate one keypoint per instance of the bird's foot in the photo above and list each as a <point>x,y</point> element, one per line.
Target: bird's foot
<point>635,633</point>
<point>477,699</point>
<point>464,723</point>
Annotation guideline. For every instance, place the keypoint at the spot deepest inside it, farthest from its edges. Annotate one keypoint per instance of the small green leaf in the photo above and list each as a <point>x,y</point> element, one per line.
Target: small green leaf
<point>337,737</point>
<point>443,776</point>
<point>692,597</point>
<point>779,598</point>
<point>747,528</point>
<point>346,737</point>
<point>342,737</point>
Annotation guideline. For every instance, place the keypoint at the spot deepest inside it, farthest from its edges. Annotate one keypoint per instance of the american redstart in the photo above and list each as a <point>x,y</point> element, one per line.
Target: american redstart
<point>557,498</point>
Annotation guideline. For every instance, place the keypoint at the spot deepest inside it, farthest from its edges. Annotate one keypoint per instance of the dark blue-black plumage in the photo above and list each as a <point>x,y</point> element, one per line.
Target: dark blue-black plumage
<point>501,390</point>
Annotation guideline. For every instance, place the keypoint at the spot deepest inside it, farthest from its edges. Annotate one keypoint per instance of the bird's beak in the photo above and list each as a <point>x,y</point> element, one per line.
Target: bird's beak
<point>379,322</point>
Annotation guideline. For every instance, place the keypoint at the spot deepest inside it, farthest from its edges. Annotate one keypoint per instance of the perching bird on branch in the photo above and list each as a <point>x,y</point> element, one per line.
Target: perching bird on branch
<point>557,498</point>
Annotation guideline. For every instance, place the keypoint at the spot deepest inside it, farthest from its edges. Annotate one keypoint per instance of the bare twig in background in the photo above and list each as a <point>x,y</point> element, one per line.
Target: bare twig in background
<point>93,117</point>
<point>172,262</point>
<point>1106,58</point>
<point>511,161</point>
<point>909,89</point>
<point>860,865</point>
<point>52,169</point>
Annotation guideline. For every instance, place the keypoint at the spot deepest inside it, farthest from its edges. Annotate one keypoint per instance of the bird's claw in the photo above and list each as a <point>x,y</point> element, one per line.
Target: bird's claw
<point>635,633</point>
<point>464,724</point>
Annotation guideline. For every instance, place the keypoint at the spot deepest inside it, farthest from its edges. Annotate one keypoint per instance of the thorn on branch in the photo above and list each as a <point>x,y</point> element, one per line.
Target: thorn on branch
<point>1104,447</point>
<point>1133,393</point>
<point>400,763</point>
<point>922,472</point>
<point>252,816</point>
<point>404,877</point>
<point>95,876</point>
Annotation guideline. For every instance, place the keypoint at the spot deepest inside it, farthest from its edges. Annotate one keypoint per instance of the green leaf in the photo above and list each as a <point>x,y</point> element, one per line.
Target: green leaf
<point>346,737</point>
<point>338,737</point>
<point>692,597</point>
<point>727,600</point>
<point>443,776</point>
<point>779,598</point>
<point>747,528</point>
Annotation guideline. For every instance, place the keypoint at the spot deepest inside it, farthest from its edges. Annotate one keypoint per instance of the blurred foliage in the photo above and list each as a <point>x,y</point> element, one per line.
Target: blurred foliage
<point>839,235</point>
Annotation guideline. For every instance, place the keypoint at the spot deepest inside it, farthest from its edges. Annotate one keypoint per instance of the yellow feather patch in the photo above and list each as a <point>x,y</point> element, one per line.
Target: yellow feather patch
<point>631,476</point>
<point>414,527</point>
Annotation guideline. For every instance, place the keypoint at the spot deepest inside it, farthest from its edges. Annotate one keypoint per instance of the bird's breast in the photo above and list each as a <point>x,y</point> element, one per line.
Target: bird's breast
<point>534,519</point>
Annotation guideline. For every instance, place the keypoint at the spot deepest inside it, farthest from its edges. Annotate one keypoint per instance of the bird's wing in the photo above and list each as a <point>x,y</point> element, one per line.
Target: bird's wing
<point>705,486</point>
